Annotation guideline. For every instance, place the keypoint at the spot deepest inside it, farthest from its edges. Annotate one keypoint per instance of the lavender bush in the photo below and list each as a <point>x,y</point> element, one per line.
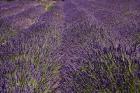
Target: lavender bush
<point>109,70</point>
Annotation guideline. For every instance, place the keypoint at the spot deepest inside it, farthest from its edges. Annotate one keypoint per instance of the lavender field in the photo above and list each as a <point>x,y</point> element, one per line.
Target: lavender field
<point>69,46</point>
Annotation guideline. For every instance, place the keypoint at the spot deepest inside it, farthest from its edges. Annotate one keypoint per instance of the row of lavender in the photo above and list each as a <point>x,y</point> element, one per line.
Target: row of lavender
<point>25,62</point>
<point>100,47</point>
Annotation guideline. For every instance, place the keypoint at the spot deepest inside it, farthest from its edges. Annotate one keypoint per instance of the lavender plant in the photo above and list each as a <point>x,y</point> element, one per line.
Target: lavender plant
<point>113,70</point>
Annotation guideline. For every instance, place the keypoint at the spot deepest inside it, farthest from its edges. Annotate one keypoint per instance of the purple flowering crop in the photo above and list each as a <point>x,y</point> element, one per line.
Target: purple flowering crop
<point>70,46</point>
